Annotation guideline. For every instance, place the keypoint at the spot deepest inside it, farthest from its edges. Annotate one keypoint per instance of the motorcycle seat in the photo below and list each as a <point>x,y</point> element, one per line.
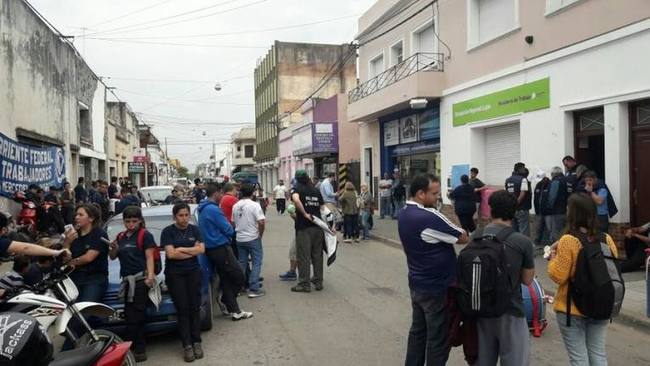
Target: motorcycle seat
<point>81,356</point>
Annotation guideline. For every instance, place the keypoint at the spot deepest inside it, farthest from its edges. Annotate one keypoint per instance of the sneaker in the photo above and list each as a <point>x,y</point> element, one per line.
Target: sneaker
<point>347,240</point>
<point>289,276</point>
<point>261,279</point>
<point>198,351</point>
<point>241,315</point>
<point>301,288</point>
<point>140,357</point>
<point>356,240</point>
<point>188,354</point>
<point>318,287</point>
<point>252,293</point>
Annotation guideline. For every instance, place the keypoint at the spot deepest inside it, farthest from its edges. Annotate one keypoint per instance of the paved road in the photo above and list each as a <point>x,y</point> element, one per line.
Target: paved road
<point>361,318</point>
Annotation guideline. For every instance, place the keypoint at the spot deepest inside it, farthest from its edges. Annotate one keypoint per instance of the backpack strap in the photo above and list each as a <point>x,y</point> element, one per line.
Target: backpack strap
<point>504,233</point>
<point>140,238</point>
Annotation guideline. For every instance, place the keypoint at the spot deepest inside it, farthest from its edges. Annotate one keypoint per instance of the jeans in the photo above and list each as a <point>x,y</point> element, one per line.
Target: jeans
<point>309,246</point>
<point>429,330</point>
<point>230,273</point>
<point>386,207</point>
<point>134,315</point>
<point>555,224</point>
<point>398,204</point>
<point>185,290</point>
<point>351,226</point>
<point>504,340</point>
<point>365,224</point>
<point>280,204</point>
<point>520,223</point>
<point>91,287</point>
<point>252,249</point>
<point>584,340</point>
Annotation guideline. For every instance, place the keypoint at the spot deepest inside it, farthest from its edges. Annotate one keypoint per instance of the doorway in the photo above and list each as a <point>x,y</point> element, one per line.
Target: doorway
<point>589,130</point>
<point>639,162</point>
<point>367,168</point>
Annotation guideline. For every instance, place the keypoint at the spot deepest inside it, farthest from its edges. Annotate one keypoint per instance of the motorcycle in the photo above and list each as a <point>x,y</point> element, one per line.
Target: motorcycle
<point>25,343</point>
<point>51,302</point>
<point>27,216</point>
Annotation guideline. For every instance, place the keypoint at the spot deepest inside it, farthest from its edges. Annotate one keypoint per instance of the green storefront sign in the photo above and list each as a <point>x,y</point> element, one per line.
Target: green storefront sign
<point>523,98</point>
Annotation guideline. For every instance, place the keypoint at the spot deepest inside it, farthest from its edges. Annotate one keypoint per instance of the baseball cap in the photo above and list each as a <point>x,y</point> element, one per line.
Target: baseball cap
<point>301,173</point>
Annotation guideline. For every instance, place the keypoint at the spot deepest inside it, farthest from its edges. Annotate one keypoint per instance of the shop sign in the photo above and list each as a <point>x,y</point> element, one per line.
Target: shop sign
<point>325,138</point>
<point>22,165</point>
<point>417,148</point>
<point>429,122</point>
<point>391,133</point>
<point>523,98</point>
<point>408,129</point>
<point>136,168</point>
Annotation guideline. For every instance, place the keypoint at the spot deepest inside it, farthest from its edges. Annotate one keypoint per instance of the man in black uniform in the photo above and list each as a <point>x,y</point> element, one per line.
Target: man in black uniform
<point>519,186</point>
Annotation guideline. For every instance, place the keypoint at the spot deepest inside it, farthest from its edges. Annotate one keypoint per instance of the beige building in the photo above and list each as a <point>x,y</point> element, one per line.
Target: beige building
<point>503,81</point>
<point>121,138</point>
<point>243,150</point>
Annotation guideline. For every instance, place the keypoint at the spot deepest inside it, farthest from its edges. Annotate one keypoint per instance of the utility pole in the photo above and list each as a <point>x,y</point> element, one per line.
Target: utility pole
<point>166,151</point>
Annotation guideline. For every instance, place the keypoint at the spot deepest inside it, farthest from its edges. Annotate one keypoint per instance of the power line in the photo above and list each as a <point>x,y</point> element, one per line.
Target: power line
<point>118,40</point>
<point>131,13</point>
<point>180,100</point>
<point>398,24</point>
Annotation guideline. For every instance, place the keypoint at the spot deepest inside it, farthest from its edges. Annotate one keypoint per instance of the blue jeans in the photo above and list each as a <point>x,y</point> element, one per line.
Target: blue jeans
<point>429,330</point>
<point>584,340</point>
<point>254,250</point>
<point>520,223</point>
<point>91,287</point>
<point>365,224</point>
<point>386,206</point>
<point>399,204</point>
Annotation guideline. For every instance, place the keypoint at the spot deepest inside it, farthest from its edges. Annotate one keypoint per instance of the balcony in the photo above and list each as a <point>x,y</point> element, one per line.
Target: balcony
<point>419,76</point>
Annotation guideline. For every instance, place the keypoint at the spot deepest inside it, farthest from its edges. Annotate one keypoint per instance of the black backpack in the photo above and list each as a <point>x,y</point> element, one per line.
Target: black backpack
<point>597,288</point>
<point>484,286</point>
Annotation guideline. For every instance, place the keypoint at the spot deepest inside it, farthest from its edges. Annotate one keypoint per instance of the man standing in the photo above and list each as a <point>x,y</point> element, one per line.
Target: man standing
<point>217,232</point>
<point>570,166</point>
<point>100,198</point>
<point>249,222</point>
<point>518,186</point>
<point>309,237</point>
<point>599,193</point>
<point>399,194</point>
<point>328,192</point>
<point>428,238</point>
<point>506,338</point>
<point>557,204</point>
<point>385,202</point>
<point>540,202</point>
<point>280,195</point>
<point>113,189</point>
<point>478,186</point>
<point>198,192</point>
<point>80,193</point>
<point>228,200</point>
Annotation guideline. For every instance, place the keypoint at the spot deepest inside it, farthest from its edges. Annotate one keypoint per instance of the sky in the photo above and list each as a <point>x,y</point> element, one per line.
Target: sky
<point>164,57</point>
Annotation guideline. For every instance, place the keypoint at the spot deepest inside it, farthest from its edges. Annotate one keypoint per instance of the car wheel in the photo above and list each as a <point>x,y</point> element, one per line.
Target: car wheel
<point>86,340</point>
<point>206,321</point>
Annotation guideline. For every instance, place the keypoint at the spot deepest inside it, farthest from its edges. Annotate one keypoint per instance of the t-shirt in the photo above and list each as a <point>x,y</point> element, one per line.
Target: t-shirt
<point>227,203</point>
<point>602,208</point>
<point>519,255</point>
<point>280,192</point>
<point>133,259</point>
<point>311,200</point>
<point>385,192</point>
<point>427,237</point>
<point>245,215</point>
<point>93,241</point>
<point>180,238</point>
<point>4,246</point>
<point>476,184</point>
<point>34,274</point>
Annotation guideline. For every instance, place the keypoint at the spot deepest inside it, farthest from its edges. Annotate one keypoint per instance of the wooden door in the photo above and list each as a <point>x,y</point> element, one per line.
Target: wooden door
<point>640,163</point>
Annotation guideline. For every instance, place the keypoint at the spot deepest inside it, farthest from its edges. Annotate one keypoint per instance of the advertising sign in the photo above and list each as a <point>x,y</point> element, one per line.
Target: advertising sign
<point>523,98</point>
<point>391,133</point>
<point>429,122</point>
<point>408,129</point>
<point>22,165</point>
<point>136,168</point>
<point>325,138</point>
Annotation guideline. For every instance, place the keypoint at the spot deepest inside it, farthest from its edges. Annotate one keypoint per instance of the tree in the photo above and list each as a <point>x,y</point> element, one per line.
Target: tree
<point>182,171</point>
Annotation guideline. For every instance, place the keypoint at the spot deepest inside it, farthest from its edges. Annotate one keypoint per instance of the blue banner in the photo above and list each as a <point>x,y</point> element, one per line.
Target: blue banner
<point>22,165</point>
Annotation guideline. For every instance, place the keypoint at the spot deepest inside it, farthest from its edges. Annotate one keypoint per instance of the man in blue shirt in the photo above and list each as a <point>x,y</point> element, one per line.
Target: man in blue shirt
<point>598,192</point>
<point>428,238</point>
<point>217,233</point>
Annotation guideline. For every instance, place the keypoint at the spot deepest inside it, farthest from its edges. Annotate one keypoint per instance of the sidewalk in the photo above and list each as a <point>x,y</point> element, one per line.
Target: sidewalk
<point>633,312</point>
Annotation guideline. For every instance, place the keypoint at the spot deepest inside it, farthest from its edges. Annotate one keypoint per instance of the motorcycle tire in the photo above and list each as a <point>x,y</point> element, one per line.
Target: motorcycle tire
<point>86,339</point>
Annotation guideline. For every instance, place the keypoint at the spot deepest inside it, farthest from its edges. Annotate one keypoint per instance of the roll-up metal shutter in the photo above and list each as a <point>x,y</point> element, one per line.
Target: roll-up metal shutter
<point>502,151</point>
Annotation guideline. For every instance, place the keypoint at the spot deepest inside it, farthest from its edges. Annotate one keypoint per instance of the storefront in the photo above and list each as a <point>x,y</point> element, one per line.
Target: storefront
<point>317,141</point>
<point>410,142</point>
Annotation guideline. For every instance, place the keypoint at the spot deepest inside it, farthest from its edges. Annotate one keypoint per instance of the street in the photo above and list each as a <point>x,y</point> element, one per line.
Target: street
<point>361,318</point>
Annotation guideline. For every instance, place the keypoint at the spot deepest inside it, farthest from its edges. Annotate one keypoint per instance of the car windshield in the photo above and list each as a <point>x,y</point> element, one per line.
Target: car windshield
<point>156,194</point>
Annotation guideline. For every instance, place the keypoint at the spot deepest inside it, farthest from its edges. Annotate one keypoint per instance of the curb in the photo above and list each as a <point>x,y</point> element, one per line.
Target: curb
<point>640,324</point>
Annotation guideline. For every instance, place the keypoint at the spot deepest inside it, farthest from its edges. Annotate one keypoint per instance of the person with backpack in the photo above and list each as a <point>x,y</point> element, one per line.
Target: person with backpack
<point>428,237</point>
<point>183,243</point>
<point>590,288</point>
<point>501,321</point>
<point>135,248</point>
<point>555,203</point>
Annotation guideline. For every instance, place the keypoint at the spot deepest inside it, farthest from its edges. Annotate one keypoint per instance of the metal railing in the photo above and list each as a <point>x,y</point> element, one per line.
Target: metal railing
<point>418,62</point>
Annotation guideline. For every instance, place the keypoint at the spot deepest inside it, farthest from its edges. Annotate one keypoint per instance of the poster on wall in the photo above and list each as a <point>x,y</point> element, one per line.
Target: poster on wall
<point>22,165</point>
<point>408,127</point>
<point>391,133</point>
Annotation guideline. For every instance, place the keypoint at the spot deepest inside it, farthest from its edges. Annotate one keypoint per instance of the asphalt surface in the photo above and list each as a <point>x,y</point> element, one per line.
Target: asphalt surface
<point>361,318</point>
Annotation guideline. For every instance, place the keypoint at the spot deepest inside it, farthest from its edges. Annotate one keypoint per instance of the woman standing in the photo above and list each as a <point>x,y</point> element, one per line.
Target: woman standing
<point>348,199</point>
<point>135,248</point>
<point>183,243</point>
<point>366,210</point>
<point>89,254</point>
<point>465,204</point>
<point>584,338</point>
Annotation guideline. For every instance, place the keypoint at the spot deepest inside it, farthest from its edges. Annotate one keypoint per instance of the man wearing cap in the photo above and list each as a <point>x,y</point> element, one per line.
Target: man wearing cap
<point>309,237</point>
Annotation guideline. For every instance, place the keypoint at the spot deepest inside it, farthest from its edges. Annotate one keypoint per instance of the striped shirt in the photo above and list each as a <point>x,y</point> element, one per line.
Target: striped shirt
<point>427,237</point>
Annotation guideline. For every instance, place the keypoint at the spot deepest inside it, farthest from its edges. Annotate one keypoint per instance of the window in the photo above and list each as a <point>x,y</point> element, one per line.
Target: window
<point>249,151</point>
<point>397,53</point>
<point>238,148</point>
<point>85,127</point>
<point>490,19</point>
<point>553,6</point>
<point>423,39</point>
<point>376,66</point>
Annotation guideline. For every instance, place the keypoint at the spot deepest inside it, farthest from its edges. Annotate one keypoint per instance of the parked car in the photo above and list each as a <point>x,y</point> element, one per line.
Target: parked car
<point>155,195</point>
<point>163,319</point>
<point>245,177</point>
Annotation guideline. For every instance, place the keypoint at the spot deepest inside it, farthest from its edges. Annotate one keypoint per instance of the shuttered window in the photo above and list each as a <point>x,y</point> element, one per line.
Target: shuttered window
<point>502,151</point>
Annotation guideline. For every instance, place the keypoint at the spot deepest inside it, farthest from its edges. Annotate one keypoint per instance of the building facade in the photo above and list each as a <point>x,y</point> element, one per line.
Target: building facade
<point>121,139</point>
<point>284,79</point>
<point>242,150</point>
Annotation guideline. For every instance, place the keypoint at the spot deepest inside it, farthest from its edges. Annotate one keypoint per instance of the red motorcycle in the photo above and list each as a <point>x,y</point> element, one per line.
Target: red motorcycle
<point>27,216</point>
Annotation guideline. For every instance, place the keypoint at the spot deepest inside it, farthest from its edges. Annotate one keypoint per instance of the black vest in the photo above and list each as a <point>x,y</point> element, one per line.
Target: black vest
<point>559,207</point>
<point>513,186</point>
